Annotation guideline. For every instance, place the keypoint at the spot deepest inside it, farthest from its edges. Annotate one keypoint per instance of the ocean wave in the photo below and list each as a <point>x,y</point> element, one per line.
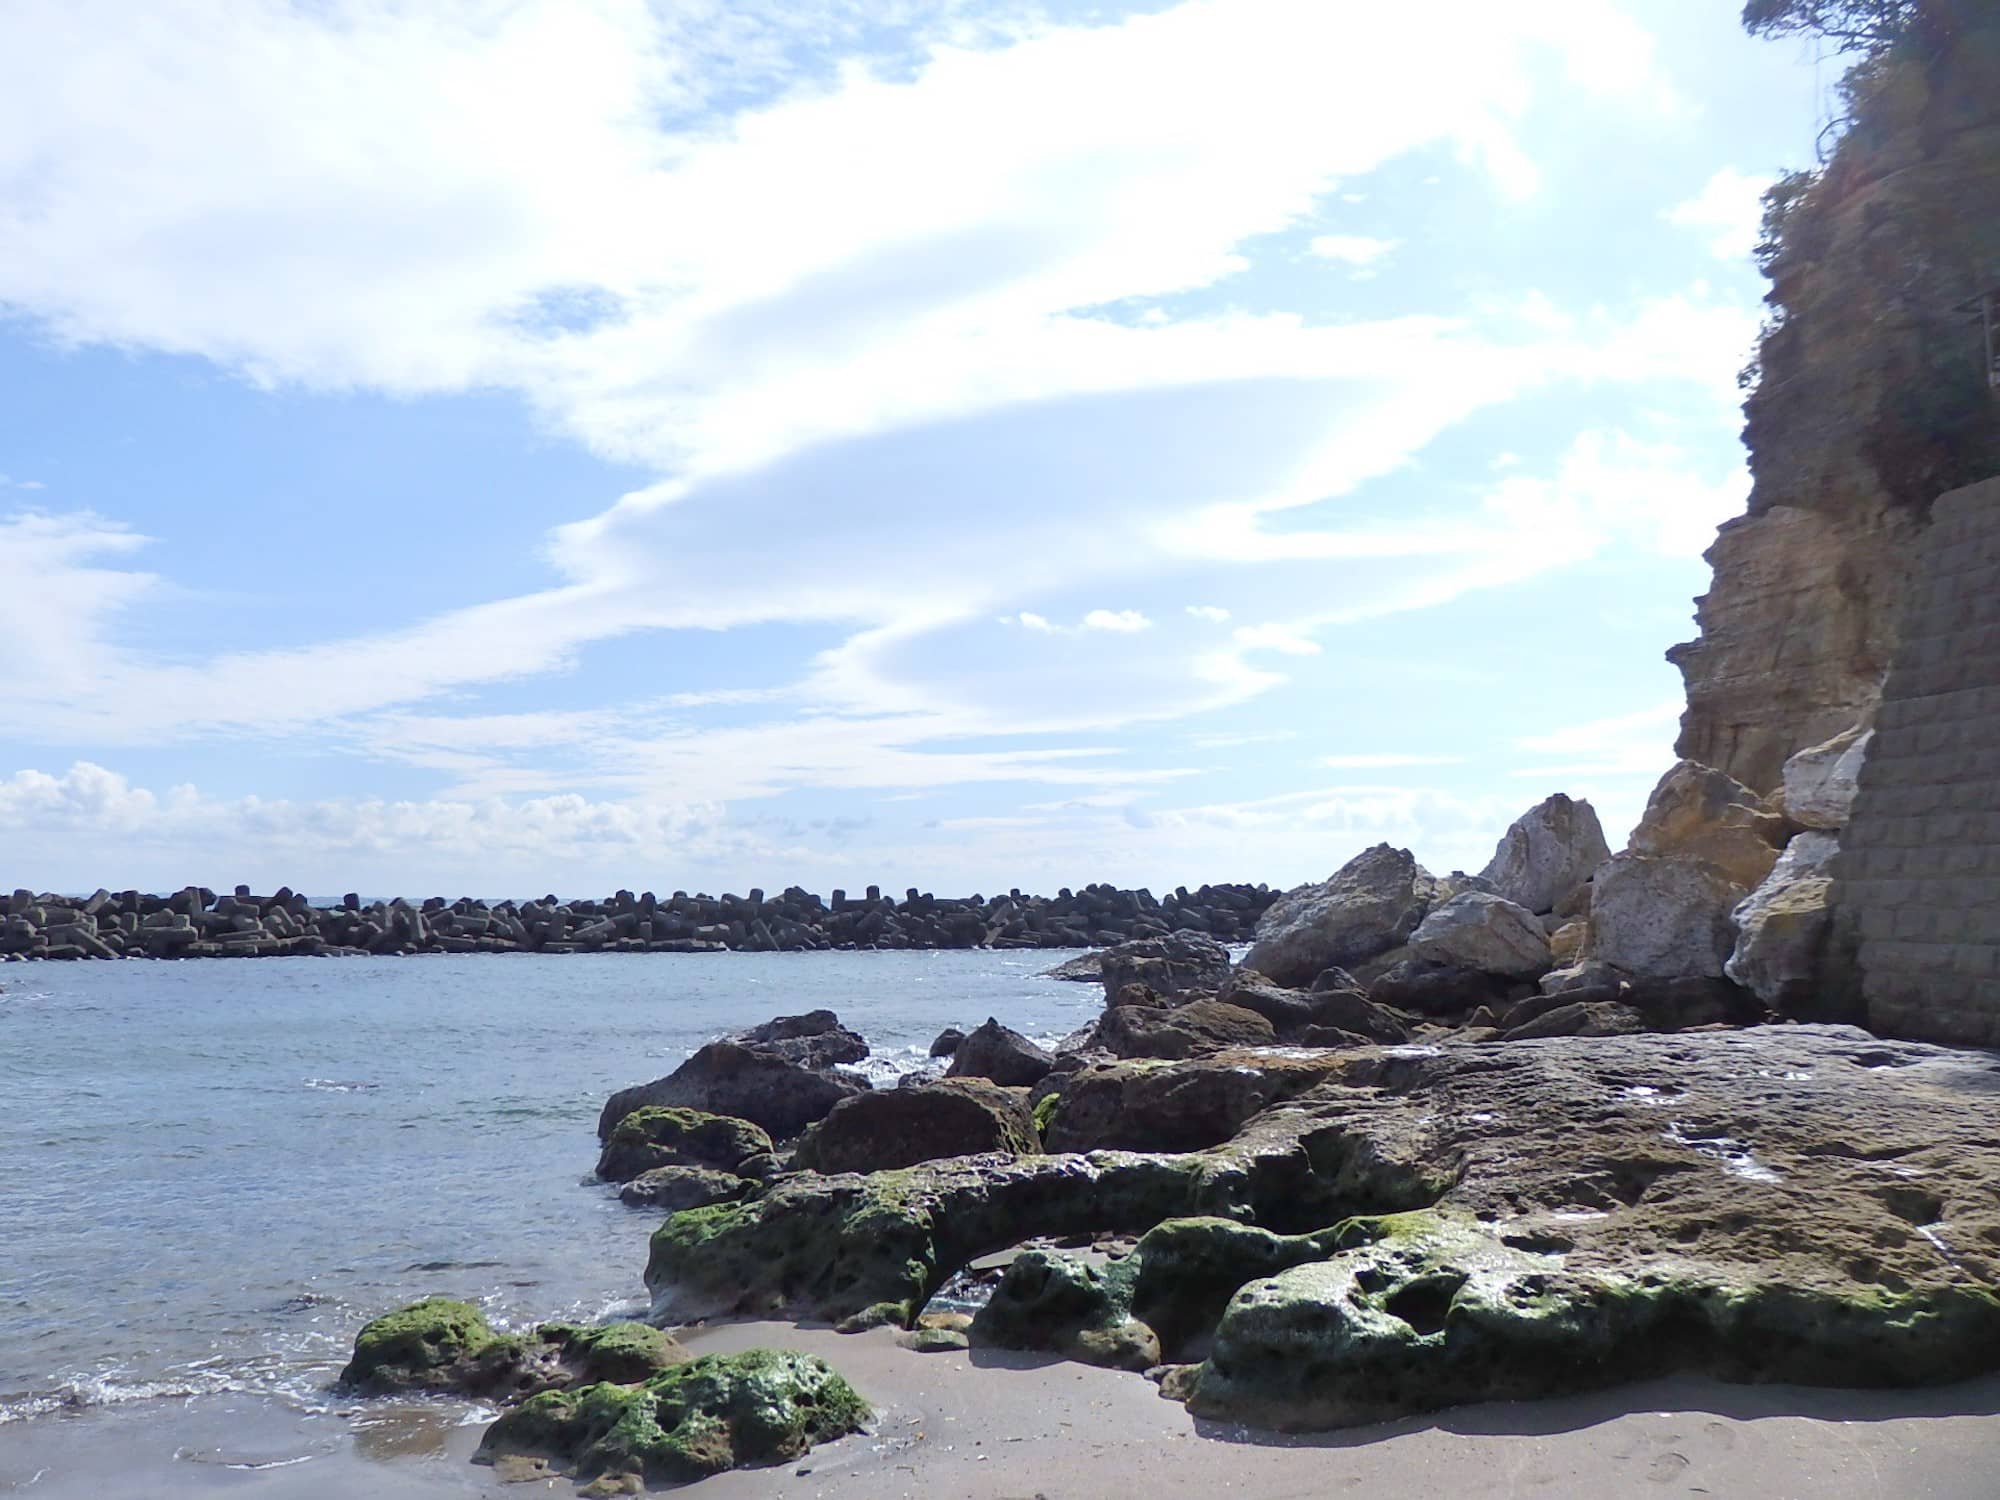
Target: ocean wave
<point>82,1392</point>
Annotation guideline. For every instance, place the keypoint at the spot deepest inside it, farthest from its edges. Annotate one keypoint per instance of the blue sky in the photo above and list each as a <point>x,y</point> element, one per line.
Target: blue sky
<point>492,446</point>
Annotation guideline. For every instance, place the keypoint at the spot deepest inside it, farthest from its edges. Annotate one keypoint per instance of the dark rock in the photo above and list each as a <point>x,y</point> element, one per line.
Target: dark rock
<point>947,1042</point>
<point>814,1040</point>
<point>676,1188</point>
<point>1178,964</point>
<point>1434,990</point>
<point>1174,1106</point>
<point>1288,1011</point>
<point>1182,1031</point>
<point>1000,1054</point>
<point>1054,1302</point>
<point>1580,1018</point>
<point>725,1078</point>
<point>1352,1011</point>
<point>900,1127</point>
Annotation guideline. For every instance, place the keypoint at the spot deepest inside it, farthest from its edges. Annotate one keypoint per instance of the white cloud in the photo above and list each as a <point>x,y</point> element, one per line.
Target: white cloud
<point>1729,209</point>
<point>1351,249</point>
<point>1275,637</point>
<point>1387,762</point>
<point>1213,614</point>
<point>1122,621</point>
<point>1032,621</point>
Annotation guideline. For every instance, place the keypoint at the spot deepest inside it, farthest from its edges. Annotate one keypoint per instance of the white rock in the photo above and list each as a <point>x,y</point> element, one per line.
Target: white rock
<point>1663,917</point>
<point>1782,926</point>
<point>1370,905</point>
<point>1485,933</point>
<point>1548,852</point>
<point>1820,783</point>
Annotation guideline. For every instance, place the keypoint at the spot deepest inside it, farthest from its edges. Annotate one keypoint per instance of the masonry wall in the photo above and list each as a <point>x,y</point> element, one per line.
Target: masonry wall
<point>1918,880</point>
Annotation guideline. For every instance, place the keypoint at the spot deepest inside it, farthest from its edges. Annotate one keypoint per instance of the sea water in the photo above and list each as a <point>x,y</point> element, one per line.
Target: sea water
<point>213,1173</point>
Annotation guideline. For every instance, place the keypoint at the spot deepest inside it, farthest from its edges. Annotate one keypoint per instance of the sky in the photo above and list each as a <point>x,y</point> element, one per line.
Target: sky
<point>502,446</point>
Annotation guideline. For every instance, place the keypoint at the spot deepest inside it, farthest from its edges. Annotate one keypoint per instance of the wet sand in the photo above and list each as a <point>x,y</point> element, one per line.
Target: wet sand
<point>991,1426</point>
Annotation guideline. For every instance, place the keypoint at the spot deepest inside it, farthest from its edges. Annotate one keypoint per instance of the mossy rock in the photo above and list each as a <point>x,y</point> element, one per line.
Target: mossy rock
<point>831,1247</point>
<point>444,1345</point>
<point>657,1136</point>
<point>1069,1306</point>
<point>719,1412</point>
<point>1436,1312</point>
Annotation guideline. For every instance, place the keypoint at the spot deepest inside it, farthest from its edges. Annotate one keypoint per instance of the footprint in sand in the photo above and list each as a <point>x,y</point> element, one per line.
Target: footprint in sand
<point>1667,1468</point>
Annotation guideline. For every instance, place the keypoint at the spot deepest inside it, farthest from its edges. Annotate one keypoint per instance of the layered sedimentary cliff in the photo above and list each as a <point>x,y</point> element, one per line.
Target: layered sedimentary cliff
<point>1871,399</point>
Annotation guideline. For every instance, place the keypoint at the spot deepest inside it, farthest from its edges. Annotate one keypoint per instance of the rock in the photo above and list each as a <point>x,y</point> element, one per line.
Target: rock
<point>726,1078</point>
<point>1663,918</point>
<point>1085,968</point>
<point>1181,1031</point>
<point>1334,1038</point>
<point>1178,964</point>
<point>1001,1055</point>
<point>1546,853</point>
<point>1352,1011</point>
<point>1759,1205</point>
<point>675,1188</point>
<point>1055,1302</point>
<point>1567,941</point>
<point>1430,1225</point>
<point>1149,1105</point>
<point>1580,1018</point>
<point>719,1412</point>
<point>947,1042</point>
<point>1487,934</point>
<point>1372,904</point>
<point>934,1340</point>
<point>1821,782</point>
<point>1288,1011</point>
<point>814,1040</point>
<point>443,1345</point>
<point>892,1128</point>
<point>1782,928</point>
<point>1701,813</point>
<point>1436,989</point>
<point>663,1137</point>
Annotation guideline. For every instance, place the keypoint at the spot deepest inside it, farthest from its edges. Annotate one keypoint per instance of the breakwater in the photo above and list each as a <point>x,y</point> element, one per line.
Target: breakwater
<point>196,923</point>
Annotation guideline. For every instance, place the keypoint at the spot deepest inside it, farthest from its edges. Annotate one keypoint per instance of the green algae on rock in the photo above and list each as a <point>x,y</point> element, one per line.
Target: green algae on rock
<point>661,1136</point>
<point>443,1345</point>
<point>719,1412</point>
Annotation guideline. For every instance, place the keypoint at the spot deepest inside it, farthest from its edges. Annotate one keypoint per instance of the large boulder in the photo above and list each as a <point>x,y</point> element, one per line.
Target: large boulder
<point>719,1412</point>
<point>1782,927</point>
<point>728,1078</point>
<point>1662,918</point>
<point>1822,780</point>
<point>1179,964</point>
<point>1546,853</point>
<point>1289,1011</point>
<point>1444,990</point>
<point>1000,1055</point>
<point>1698,812</point>
<point>1152,1105</point>
<point>1370,905</point>
<point>1180,1031</point>
<point>1488,934</point>
<point>813,1040</point>
<point>890,1128</point>
<point>659,1136</point>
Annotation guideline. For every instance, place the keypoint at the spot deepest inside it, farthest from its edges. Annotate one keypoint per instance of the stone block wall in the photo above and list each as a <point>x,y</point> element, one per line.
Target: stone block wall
<point>1918,879</point>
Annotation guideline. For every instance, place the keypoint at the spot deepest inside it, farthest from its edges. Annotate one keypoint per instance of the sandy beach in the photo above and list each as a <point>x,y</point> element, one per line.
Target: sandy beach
<point>992,1426</point>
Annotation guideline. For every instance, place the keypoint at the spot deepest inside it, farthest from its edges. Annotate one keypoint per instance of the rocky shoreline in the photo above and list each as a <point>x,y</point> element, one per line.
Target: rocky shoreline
<point>196,923</point>
<point>1542,1130</point>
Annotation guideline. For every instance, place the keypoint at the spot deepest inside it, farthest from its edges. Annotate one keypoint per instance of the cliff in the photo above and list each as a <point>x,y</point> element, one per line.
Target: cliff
<point>1870,399</point>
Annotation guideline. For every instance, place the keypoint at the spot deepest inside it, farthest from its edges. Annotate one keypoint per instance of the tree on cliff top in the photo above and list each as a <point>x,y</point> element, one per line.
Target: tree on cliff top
<point>1860,25</point>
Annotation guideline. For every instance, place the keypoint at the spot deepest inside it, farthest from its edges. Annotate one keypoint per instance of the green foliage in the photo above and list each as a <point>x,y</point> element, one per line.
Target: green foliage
<point>1854,25</point>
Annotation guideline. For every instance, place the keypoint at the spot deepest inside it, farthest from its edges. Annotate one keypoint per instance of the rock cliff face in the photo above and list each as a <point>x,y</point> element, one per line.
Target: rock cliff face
<point>1871,400</point>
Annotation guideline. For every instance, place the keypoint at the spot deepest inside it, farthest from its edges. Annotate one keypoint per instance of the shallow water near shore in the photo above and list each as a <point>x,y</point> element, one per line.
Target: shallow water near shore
<point>213,1173</point>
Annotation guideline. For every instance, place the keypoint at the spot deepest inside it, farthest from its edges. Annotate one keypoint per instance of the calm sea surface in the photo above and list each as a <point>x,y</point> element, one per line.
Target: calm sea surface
<point>212,1173</point>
